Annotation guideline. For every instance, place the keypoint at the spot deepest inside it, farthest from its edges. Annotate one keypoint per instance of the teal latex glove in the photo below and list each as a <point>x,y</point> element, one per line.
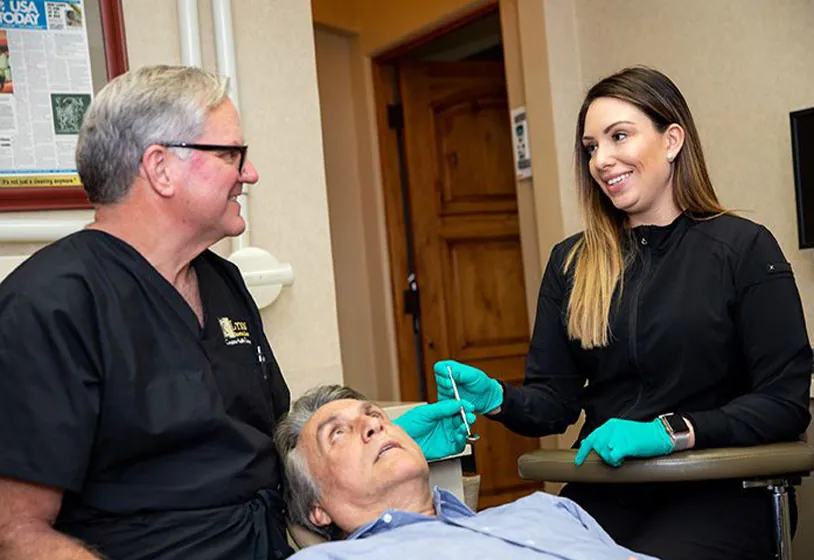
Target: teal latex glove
<point>474,386</point>
<point>616,439</point>
<point>438,427</point>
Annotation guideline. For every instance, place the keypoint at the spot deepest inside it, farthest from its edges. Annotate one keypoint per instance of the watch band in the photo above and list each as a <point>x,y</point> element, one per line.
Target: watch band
<point>677,429</point>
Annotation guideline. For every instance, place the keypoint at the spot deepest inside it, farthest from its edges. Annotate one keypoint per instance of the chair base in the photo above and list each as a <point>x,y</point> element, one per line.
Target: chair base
<point>779,487</point>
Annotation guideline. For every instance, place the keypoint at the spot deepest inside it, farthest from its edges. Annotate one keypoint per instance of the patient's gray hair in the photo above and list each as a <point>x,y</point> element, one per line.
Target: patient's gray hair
<point>301,491</point>
<point>146,106</point>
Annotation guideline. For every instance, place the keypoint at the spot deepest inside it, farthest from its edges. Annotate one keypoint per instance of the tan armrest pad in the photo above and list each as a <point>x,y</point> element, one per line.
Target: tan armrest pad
<point>303,537</point>
<point>557,465</point>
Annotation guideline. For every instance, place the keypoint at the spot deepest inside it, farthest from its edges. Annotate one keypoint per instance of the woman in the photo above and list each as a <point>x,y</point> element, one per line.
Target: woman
<point>673,323</point>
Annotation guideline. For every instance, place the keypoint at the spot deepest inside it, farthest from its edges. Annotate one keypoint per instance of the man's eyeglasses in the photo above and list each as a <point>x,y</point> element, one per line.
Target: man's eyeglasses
<point>231,148</point>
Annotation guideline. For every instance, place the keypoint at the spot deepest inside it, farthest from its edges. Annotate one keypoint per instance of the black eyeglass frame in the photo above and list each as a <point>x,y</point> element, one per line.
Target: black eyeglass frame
<point>213,148</point>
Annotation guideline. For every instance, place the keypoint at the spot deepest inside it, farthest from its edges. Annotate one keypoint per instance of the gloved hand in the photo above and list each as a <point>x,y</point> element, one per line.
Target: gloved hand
<point>616,439</point>
<point>474,386</point>
<point>438,427</point>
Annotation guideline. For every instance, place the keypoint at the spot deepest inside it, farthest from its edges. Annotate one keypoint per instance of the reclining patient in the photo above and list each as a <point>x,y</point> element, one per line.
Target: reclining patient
<point>358,479</point>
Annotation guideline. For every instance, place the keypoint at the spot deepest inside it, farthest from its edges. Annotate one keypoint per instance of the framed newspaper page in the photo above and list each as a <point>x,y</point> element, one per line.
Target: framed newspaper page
<point>54,56</point>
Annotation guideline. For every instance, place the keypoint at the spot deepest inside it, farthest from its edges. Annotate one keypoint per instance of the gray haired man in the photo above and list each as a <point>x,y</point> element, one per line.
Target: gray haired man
<point>354,475</point>
<point>134,424</point>
<point>138,392</point>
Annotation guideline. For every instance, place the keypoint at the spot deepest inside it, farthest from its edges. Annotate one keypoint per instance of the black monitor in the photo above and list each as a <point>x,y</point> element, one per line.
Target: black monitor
<point>802,150</point>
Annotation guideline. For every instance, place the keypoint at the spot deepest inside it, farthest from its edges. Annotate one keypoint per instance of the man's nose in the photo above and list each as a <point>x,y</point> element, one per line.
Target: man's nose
<point>371,426</point>
<point>249,174</point>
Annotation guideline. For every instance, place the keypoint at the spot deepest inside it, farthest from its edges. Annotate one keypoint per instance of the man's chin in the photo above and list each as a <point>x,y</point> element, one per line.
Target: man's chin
<point>235,227</point>
<point>402,470</point>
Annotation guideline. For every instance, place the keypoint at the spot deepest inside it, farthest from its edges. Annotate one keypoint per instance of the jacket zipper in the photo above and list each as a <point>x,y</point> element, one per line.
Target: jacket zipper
<point>634,313</point>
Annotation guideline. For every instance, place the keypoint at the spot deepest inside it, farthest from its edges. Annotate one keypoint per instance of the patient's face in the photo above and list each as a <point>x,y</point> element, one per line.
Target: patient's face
<point>358,457</point>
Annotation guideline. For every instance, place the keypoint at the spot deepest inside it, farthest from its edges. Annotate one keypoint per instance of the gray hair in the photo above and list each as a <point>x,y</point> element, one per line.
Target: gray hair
<point>149,105</point>
<point>301,493</point>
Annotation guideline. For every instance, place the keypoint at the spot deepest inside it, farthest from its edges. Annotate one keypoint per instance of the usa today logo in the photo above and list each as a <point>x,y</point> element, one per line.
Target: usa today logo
<point>19,12</point>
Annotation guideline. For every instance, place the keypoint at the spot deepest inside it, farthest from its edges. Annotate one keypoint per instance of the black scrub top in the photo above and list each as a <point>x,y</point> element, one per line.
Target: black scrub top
<point>158,430</point>
<point>709,325</point>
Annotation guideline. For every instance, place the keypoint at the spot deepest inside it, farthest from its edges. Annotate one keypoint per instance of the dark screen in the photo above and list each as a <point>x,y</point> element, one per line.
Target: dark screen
<point>802,148</point>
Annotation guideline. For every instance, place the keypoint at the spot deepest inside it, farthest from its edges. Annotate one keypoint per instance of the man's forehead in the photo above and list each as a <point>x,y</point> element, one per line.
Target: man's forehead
<point>335,408</point>
<point>223,119</point>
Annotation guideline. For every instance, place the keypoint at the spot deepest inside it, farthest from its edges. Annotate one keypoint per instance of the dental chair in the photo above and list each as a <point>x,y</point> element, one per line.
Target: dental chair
<point>775,467</point>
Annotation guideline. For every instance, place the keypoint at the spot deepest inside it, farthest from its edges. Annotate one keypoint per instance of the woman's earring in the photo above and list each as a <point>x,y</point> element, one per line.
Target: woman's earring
<point>670,158</point>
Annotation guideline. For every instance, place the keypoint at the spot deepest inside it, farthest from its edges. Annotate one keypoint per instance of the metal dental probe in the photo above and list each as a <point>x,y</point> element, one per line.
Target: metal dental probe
<point>470,438</point>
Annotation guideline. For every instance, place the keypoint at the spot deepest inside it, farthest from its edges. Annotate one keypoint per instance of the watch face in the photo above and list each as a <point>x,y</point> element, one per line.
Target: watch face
<point>677,423</point>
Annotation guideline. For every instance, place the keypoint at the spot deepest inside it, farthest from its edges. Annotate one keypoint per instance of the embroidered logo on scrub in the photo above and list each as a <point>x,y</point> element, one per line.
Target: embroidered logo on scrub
<point>234,332</point>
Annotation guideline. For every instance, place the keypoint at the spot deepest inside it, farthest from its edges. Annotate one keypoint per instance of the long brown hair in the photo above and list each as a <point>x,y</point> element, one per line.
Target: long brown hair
<point>597,258</point>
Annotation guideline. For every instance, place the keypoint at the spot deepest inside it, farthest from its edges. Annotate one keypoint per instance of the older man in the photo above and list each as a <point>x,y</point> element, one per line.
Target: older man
<point>354,475</point>
<point>138,393</point>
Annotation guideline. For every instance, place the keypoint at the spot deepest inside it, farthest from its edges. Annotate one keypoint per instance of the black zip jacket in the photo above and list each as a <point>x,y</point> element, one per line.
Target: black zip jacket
<point>709,325</point>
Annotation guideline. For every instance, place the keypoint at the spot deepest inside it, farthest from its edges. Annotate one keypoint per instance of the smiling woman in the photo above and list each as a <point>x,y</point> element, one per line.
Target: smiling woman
<point>629,139</point>
<point>671,322</point>
<point>629,160</point>
<point>91,34</point>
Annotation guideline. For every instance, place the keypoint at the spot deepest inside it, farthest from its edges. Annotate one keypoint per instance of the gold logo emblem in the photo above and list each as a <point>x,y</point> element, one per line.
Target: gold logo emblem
<point>234,332</point>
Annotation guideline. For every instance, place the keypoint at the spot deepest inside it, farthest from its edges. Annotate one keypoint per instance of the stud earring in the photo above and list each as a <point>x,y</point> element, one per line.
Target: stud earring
<point>670,158</point>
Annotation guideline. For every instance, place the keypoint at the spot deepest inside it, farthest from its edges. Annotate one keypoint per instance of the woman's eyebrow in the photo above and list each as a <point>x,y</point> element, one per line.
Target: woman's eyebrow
<point>607,128</point>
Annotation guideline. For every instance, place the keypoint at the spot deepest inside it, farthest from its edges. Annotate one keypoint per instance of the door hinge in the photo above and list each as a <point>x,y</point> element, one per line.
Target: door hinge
<point>395,117</point>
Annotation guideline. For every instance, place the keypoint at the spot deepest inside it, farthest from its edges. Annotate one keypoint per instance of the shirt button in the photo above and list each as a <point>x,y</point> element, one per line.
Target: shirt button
<point>387,518</point>
<point>530,543</point>
<point>644,241</point>
<point>486,529</point>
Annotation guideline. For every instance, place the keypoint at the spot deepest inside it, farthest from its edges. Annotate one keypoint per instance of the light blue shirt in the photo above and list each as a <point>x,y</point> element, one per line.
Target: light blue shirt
<point>538,526</point>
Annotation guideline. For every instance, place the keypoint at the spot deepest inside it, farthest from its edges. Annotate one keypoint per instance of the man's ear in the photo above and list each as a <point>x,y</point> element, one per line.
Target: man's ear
<point>154,169</point>
<point>319,516</point>
<point>673,140</point>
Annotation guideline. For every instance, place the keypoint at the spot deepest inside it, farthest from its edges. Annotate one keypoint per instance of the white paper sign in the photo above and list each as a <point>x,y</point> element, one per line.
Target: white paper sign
<point>520,142</point>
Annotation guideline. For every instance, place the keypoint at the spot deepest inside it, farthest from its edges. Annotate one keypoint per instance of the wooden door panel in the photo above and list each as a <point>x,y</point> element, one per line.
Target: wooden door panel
<point>496,456</point>
<point>509,369</point>
<point>482,282</point>
<point>467,246</point>
<point>475,155</point>
<point>480,225</point>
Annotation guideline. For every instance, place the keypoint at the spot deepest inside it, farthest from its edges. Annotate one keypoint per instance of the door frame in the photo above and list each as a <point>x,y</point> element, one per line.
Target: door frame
<point>383,76</point>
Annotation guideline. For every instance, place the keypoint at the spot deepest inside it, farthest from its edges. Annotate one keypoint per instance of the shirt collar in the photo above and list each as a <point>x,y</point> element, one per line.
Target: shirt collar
<point>660,238</point>
<point>446,504</point>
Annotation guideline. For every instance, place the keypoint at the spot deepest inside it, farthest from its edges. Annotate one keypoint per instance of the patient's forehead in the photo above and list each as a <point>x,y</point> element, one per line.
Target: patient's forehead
<point>335,407</point>
<point>334,411</point>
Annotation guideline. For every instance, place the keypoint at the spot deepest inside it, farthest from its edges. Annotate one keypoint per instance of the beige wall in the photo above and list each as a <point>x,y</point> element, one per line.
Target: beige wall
<point>288,207</point>
<point>338,15</point>
<point>516,84</point>
<point>364,346</point>
<point>382,25</point>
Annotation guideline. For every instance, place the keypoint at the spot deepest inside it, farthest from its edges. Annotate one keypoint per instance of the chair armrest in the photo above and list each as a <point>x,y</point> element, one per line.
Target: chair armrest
<point>774,459</point>
<point>300,537</point>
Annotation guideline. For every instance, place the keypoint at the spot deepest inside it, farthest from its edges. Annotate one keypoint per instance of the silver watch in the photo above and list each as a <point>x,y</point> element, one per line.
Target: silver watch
<point>678,429</point>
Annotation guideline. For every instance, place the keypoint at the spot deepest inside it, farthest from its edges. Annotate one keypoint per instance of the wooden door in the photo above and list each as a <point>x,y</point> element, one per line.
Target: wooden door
<point>467,242</point>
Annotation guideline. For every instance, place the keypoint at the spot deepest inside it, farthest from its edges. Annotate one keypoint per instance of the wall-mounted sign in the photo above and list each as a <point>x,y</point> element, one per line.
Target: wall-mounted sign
<point>520,141</point>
